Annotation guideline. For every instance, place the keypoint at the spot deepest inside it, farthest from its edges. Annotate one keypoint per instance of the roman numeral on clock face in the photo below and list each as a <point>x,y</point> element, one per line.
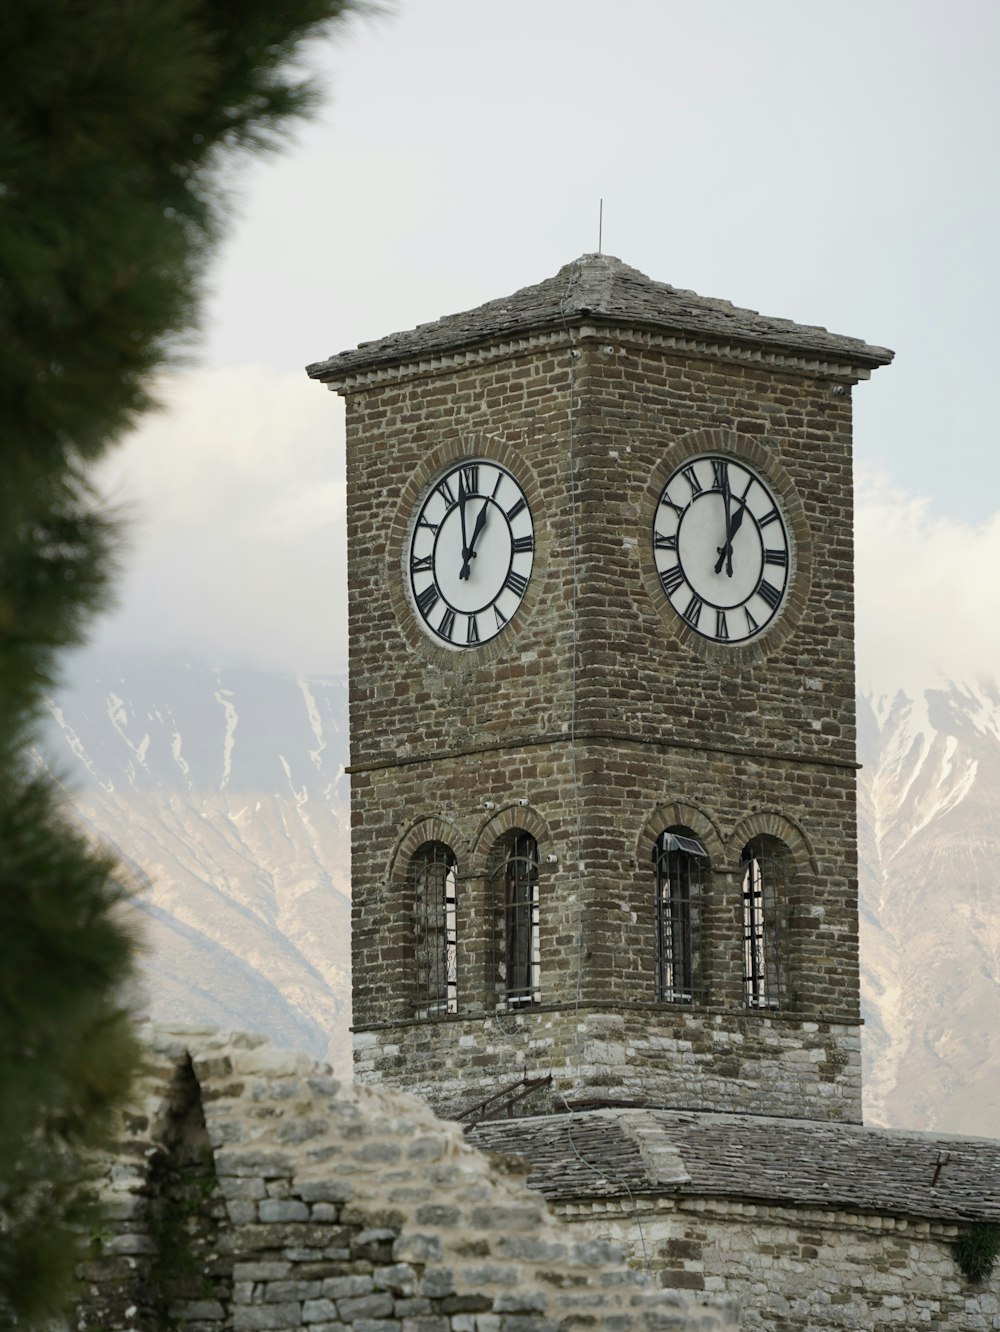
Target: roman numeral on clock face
<point>721,625</point>
<point>470,478</point>
<point>661,542</point>
<point>672,578</point>
<point>427,599</point>
<point>472,630</point>
<point>522,544</point>
<point>445,491</point>
<point>770,594</point>
<point>720,474</point>
<point>776,557</point>
<point>447,625</point>
<point>691,477</point>
<point>516,583</point>
<point>770,517</point>
<point>421,564</point>
<point>692,611</point>
<point>515,509</point>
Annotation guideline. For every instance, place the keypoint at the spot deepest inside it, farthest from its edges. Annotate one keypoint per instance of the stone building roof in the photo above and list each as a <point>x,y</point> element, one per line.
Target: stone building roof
<point>610,1153</point>
<point>600,290</point>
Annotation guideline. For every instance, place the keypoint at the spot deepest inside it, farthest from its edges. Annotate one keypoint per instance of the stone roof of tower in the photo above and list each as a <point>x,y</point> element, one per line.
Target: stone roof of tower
<point>601,290</point>
<point>612,1153</point>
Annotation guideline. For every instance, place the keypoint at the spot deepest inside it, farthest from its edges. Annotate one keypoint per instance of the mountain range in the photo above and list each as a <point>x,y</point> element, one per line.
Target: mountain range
<point>929,843</point>
<point>225,796</point>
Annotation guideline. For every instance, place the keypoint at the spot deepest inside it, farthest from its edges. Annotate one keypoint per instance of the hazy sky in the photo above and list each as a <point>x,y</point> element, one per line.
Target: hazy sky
<point>830,163</point>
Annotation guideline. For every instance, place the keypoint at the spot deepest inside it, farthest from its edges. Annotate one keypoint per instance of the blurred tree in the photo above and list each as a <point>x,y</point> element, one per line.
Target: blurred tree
<point>117,121</point>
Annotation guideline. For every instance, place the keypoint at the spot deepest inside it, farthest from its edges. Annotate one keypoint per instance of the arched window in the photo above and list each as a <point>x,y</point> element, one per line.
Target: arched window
<point>763,876</point>
<point>514,891</point>
<point>678,858</point>
<point>435,884</point>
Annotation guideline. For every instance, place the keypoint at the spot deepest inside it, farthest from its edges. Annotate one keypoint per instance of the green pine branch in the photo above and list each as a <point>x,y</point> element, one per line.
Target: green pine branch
<point>118,125</point>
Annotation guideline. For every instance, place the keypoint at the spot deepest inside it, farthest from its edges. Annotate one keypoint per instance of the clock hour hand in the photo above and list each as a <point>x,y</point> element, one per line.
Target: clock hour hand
<point>469,553</point>
<point>726,551</point>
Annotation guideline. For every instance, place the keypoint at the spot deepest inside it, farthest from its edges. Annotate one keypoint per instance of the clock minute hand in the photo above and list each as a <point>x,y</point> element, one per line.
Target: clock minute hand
<point>470,553</point>
<point>464,571</point>
<point>727,497</point>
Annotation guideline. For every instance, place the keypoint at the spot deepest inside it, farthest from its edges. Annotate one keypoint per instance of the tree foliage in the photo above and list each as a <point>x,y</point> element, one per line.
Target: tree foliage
<point>977,1250</point>
<point>118,122</point>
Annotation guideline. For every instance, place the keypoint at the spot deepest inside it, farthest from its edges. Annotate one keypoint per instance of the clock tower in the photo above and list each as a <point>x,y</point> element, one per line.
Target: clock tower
<point>600,574</point>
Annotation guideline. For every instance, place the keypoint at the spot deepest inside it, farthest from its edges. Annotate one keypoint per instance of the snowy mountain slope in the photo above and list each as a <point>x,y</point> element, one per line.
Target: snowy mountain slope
<point>929,837</point>
<point>225,795</point>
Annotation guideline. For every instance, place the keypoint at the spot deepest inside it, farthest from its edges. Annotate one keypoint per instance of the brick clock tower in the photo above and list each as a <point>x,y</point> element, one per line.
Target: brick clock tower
<point>600,570</point>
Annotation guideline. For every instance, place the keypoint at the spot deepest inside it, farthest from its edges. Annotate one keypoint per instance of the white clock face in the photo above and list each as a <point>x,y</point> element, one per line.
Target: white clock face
<point>471,551</point>
<point>721,549</point>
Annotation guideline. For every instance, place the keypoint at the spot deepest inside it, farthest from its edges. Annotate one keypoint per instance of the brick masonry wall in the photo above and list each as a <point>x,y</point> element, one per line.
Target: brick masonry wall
<point>672,730</point>
<point>803,1270</point>
<point>776,1064</point>
<point>613,427</point>
<point>249,1192</point>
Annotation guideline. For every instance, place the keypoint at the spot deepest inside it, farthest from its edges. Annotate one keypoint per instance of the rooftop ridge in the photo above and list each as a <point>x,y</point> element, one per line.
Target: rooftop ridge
<point>596,288</point>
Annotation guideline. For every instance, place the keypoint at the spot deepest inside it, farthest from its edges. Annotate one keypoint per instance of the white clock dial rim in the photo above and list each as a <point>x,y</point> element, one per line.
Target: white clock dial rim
<point>726,582</point>
<point>467,579</point>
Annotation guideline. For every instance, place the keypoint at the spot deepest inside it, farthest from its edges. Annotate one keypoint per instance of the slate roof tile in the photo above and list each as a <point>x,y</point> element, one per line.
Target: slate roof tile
<point>596,1154</point>
<point>598,289</point>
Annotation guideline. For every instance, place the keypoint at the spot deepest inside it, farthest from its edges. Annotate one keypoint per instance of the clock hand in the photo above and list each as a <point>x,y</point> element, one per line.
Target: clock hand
<point>464,571</point>
<point>726,551</point>
<point>727,500</point>
<point>470,554</point>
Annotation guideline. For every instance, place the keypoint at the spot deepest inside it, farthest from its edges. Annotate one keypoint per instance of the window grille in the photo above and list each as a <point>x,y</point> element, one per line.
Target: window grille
<point>435,892</point>
<point>677,864</point>
<point>514,884</point>
<point>763,877</point>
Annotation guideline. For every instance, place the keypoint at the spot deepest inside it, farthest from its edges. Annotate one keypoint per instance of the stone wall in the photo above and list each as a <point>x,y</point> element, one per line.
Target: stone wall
<point>250,1192</point>
<point>774,1064</point>
<point>592,425</point>
<point>803,1269</point>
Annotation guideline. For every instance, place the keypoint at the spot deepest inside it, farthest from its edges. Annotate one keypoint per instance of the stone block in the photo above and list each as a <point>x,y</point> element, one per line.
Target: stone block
<point>260,1164</point>
<point>281,1292</point>
<point>414,1247</point>
<point>336,1288</point>
<point>437,1282</point>
<point>399,1278</point>
<point>279,1209</point>
<point>324,1190</point>
<point>319,1311</point>
<point>376,1305</point>
<point>266,1317</point>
